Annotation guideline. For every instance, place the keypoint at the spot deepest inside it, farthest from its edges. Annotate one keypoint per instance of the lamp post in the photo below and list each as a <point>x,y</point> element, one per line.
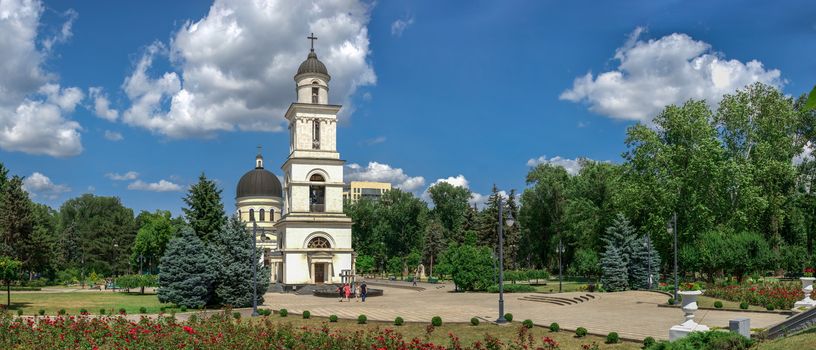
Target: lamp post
<point>113,263</point>
<point>510,222</point>
<point>560,250</point>
<point>648,243</point>
<point>254,270</point>
<point>672,228</point>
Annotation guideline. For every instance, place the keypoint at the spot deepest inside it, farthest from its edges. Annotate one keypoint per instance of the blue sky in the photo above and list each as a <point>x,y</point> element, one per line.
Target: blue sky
<point>470,92</point>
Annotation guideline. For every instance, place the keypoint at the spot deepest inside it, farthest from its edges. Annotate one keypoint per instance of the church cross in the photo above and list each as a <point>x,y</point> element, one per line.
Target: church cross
<point>312,38</point>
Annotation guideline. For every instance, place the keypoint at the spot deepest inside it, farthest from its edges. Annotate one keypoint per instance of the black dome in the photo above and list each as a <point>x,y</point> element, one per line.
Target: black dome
<point>312,65</point>
<point>259,182</point>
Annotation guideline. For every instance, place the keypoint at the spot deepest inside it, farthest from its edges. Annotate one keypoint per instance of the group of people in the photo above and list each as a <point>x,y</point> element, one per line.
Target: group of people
<point>347,290</point>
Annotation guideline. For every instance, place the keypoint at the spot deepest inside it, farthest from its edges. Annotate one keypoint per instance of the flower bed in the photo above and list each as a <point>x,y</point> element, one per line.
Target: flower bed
<point>220,331</point>
<point>778,296</point>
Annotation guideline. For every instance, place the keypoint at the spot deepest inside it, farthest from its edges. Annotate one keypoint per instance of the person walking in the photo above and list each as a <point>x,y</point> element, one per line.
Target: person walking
<point>347,291</point>
<point>340,292</point>
<point>355,290</point>
<point>363,290</point>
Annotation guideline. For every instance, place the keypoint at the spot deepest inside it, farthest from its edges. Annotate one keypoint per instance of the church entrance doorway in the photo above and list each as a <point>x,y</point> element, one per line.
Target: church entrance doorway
<point>320,273</point>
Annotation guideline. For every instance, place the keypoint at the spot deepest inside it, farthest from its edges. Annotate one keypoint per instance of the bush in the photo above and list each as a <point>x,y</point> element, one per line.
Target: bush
<point>711,340</point>
<point>192,319</point>
<point>527,323</point>
<point>19,312</point>
<point>83,311</point>
<point>283,312</point>
<point>307,314</point>
<point>581,332</point>
<point>436,321</point>
<point>122,311</point>
<point>671,301</point>
<point>770,307</point>
<point>512,288</point>
<point>41,312</point>
<point>236,315</point>
<point>162,309</point>
<point>102,311</point>
<point>474,321</point>
<point>744,305</point>
<point>718,304</point>
<point>398,321</point>
<point>362,319</point>
<point>612,338</point>
<point>509,317</point>
<point>143,310</point>
<point>61,312</point>
<point>183,308</point>
<point>649,341</point>
<point>333,318</point>
<point>554,327</point>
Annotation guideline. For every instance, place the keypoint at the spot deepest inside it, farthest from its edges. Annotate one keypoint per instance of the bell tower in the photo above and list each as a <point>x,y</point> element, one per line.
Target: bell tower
<point>316,234</point>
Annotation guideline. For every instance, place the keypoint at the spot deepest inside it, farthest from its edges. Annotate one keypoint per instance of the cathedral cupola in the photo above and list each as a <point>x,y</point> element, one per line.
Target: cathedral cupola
<point>312,79</point>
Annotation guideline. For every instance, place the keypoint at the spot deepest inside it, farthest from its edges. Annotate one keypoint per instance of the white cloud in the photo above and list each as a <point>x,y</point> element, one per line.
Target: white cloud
<point>806,154</point>
<point>102,107</point>
<point>460,180</point>
<point>40,185</point>
<point>161,186</point>
<point>655,73</point>
<point>113,136</point>
<point>572,166</point>
<point>130,175</point>
<point>374,141</point>
<point>235,66</point>
<point>399,26</point>
<point>379,172</point>
<point>64,33</point>
<point>33,108</point>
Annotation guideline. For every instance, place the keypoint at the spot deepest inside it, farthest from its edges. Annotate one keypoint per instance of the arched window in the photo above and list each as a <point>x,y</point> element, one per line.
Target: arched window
<point>271,214</point>
<point>252,215</point>
<point>315,92</point>
<point>261,216</point>
<point>316,134</point>
<point>319,243</point>
<point>317,194</point>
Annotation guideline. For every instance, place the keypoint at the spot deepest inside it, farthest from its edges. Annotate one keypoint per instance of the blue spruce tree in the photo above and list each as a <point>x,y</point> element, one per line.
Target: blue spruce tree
<point>639,264</point>
<point>186,273</point>
<point>232,256</point>
<point>615,275</point>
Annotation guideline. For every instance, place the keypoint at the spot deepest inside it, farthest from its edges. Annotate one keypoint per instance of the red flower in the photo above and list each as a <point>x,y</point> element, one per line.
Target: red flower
<point>189,330</point>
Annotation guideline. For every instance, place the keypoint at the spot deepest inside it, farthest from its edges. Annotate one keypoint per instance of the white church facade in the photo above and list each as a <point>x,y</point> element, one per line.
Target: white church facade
<point>300,224</point>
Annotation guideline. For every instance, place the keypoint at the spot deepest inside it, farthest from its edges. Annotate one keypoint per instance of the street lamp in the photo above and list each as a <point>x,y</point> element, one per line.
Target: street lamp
<point>647,242</point>
<point>510,222</point>
<point>672,229</point>
<point>560,250</point>
<point>113,264</point>
<point>254,261</point>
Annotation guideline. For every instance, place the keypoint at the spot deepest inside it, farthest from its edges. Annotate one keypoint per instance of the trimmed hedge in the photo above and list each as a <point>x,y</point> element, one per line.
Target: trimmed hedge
<point>581,332</point>
<point>362,319</point>
<point>512,288</point>
<point>474,321</point>
<point>509,317</point>
<point>527,323</point>
<point>283,312</point>
<point>436,321</point>
<point>333,318</point>
<point>398,321</point>
<point>554,327</point>
<point>612,338</point>
<point>307,314</point>
<point>718,304</point>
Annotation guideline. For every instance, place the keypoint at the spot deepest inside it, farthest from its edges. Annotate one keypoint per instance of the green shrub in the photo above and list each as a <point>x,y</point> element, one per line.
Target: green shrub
<point>509,317</point>
<point>83,311</point>
<point>283,312</point>
<point>718,304</point>
<point>554,327</point>
<point>183,308</point>
<point>362,319</point>
<point>398,321</point>
<point>102,311</point>
<point>433,280</point>
<point>649,341</point>
<point>770,307</point>
<point>527,323</point>
<point>671,301</point>
<point>192,319</point>
<point>512,288</point>
<point>19,312</point>
<point>581,332</point>
<point>744,305</point>
<point>143,310</point>
<point>711,340</point>
<point>236,315</point>
<point>333,318</point>
<point>122,311</point>
<point>474,321</point>
<point>307,314</point>
<point>409,279</point>
<point>436,321</point>
<point>612,338</point>
<point>41,312</point>
<point>162,309</point>
<point>61,312</point>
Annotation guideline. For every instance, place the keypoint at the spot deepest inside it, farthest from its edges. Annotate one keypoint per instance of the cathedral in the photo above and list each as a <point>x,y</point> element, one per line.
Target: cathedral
<point>300,225</point>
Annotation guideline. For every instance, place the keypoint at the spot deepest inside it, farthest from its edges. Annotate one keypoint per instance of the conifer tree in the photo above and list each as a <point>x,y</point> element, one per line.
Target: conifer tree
<point>205,211</point>
<point>434,243</point>
<point>186,271</point>
<point>232,256</point>
<point>512,233</point>
<point>615,276</point>
<point>639,265</point>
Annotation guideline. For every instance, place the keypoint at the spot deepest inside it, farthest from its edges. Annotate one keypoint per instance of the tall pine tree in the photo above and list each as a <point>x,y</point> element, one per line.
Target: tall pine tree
<point>615,275</point>
<point>17,223</point>
<point>639,264</point>
<point>186,272</point>
<point>232,256</point>
<point>205,211</point>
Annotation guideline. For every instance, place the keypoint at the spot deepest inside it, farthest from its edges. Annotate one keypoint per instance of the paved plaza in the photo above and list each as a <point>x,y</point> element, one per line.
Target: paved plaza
<point>633,314</point>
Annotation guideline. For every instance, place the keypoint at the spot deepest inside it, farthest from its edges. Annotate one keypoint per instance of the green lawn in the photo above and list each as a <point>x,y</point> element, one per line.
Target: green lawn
<point>466,333</point>
<point>567,286</point>
<point>72,302</point>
